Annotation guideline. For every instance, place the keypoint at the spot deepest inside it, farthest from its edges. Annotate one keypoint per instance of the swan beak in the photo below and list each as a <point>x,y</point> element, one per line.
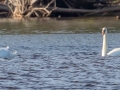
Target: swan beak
<point>103,32</point>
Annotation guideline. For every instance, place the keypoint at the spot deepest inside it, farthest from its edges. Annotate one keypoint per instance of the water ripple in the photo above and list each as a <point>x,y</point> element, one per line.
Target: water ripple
<point>59,66</point>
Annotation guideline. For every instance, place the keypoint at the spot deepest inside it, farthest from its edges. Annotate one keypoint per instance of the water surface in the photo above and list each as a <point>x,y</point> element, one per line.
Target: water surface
<point>59,55</point>
<point>61,25</point>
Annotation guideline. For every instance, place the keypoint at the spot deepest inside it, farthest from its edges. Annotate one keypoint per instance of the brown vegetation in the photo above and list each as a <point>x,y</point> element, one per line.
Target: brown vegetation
<point>28,8</point>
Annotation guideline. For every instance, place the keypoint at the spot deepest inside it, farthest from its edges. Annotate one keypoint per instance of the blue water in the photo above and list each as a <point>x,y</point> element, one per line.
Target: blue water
<point>59,62</point>
<point>62,54</point>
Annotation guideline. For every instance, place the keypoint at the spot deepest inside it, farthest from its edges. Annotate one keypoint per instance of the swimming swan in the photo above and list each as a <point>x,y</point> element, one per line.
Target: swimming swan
<point>114,52</point>
<point>6,54</point>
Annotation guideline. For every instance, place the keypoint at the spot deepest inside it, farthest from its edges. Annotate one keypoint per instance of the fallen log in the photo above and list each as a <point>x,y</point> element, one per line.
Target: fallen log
<point>65,10</point>
<point>4,8</point>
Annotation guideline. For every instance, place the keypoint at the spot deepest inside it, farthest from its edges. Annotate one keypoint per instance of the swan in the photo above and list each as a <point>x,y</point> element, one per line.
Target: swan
<point>6,54</point>
<point>114,52</point>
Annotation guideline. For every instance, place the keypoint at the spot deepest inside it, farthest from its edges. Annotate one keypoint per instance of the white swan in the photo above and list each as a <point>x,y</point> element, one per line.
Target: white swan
<point>6,54</point>
<point>114,52</point>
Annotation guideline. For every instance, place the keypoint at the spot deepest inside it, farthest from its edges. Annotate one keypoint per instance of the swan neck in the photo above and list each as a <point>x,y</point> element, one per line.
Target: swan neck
<point>104,48</point>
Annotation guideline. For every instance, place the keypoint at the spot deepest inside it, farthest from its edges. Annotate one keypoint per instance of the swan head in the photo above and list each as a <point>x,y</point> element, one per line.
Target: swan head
<point>104,30</point>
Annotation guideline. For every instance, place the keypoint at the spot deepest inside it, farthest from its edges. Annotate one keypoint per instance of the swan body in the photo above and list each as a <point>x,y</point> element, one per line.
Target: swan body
<point>6,54</point>
<point>114,52</point>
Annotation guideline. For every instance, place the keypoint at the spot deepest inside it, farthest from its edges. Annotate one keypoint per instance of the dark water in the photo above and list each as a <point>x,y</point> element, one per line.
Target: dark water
<point>62,25</point>
<point>53,55</point>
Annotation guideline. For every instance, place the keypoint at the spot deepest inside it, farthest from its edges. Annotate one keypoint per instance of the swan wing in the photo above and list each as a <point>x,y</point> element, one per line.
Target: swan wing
<point>114,52</point>
<point>5,53</point>
<point>6,48</point>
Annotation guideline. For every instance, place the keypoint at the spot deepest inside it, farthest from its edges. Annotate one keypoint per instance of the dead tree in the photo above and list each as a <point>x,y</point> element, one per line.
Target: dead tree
<point>29,8</point>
